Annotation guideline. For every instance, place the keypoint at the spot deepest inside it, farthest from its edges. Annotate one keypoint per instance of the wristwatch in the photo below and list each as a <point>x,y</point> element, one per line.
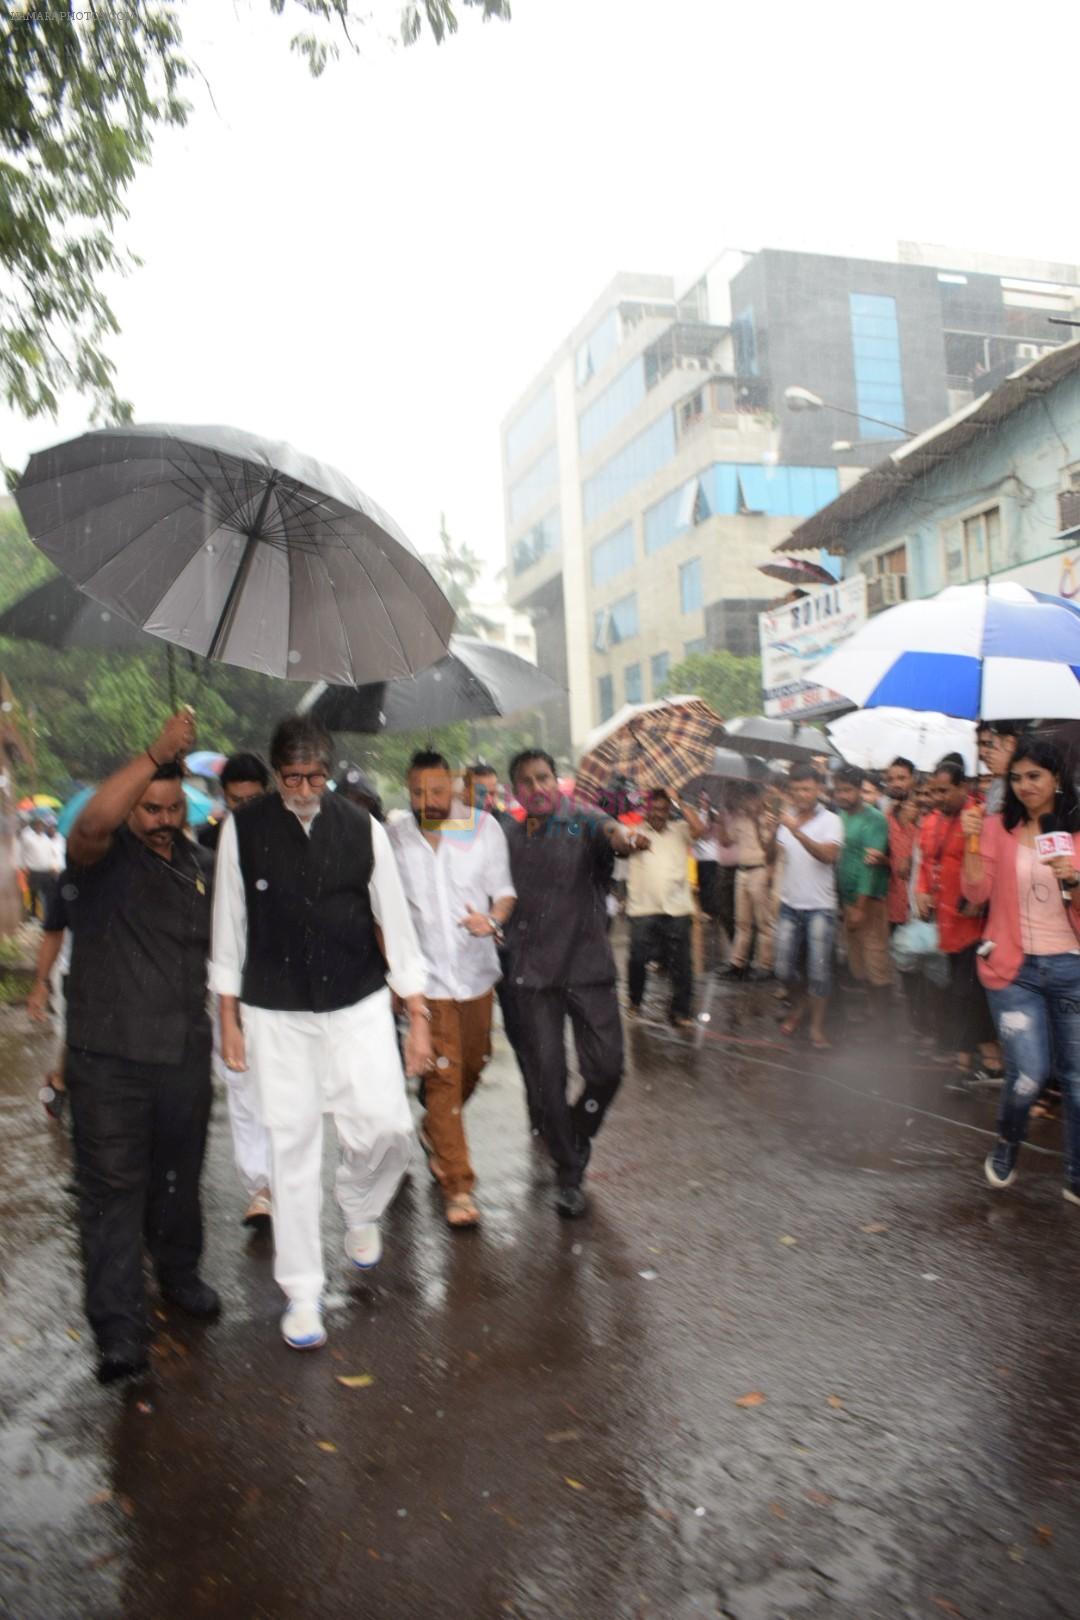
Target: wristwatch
<point>496,931</point>
<point>1071,882</point>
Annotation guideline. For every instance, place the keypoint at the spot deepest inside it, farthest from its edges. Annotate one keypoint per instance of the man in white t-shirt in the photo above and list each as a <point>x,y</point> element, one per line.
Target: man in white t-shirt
<point>811,838</point>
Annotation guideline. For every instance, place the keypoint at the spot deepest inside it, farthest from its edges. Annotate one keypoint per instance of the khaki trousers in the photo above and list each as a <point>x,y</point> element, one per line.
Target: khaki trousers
<point>868,945</point>
<point>461,1040</point>
<point>754,911</point>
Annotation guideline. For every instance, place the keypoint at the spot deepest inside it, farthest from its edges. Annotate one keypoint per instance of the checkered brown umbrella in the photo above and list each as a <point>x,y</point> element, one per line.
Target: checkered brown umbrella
<point>663,744</point>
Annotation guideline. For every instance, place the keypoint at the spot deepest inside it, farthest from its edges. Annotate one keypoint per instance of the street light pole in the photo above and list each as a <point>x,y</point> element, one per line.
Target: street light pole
<point>801,399</point>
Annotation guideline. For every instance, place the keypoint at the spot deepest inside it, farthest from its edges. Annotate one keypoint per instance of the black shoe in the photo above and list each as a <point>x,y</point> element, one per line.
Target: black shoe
<point>570,1202</point>
<point>1000,1165</point>
<point>733,972</point>
<point>760,975</point>
<point>124,1361</point>
<point>192,1295</point>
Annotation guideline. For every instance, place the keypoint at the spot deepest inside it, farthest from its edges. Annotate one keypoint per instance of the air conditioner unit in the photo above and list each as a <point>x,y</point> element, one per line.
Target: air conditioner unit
<point>885,591</point>
<point>1027,351</point>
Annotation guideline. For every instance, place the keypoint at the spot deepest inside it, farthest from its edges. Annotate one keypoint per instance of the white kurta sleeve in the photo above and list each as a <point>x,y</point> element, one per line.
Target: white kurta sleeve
<point>228,943</point>
<point>500,883</point>
<point>408,975</point>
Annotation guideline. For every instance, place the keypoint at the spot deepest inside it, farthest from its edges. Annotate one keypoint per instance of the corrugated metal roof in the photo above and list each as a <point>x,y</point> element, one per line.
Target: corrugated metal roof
<point>890,479</point>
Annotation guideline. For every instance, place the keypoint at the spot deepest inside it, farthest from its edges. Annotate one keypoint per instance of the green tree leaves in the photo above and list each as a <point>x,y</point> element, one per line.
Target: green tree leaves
<point>730,685</point>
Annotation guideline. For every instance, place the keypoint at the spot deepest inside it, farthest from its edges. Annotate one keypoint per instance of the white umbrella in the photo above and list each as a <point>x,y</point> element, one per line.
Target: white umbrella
<point>873,738</point>
<point>989,652</point>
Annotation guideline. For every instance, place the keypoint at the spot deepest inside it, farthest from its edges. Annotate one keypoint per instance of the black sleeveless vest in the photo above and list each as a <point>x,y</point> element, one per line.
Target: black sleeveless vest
<point>311,933</point>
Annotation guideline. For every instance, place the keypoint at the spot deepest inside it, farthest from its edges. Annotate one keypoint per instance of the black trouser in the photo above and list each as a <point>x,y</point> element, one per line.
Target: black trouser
<point>665,940</point>
<point>41,886</point>
<point>140,1132</point>
<point>540,1017</point>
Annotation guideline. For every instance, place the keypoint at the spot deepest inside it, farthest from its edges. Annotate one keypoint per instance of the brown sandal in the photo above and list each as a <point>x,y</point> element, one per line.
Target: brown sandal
<point>461,1212</point>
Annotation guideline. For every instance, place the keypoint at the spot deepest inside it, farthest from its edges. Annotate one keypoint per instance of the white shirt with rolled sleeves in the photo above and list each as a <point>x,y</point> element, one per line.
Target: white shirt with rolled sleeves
<point>404,958</point>
<point>469,868</point>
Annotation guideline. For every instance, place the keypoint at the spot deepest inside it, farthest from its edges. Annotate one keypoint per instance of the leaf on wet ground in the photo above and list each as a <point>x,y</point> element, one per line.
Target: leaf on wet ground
<point>788,1241</point>
<point>835,1402</point>
<point>99,1497</point>
<point>326,1445</point>
<point>574,1484</point>
<point>1016,1553</point>
<point>1043,1535</point>
<point>356,1380</point>
<point>665,1514</point>
<point>754,1398</point>
<point>126,1506</point>
<point>818,1498</point>
<point>874,1228</point>
<point>73,1333</point>
<point>562,1437</point>
<point>946,1605</point>
<point>777,1511</point>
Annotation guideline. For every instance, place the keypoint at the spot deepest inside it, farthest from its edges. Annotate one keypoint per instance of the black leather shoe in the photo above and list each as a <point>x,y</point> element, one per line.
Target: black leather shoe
<point>192,1295</point>
<point>571,1203</point>
<point>123,1361</point>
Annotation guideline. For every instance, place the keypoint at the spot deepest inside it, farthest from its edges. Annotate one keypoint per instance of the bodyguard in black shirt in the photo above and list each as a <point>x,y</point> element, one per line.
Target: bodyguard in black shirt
<point>560,966</point>
<point>139,1042</point>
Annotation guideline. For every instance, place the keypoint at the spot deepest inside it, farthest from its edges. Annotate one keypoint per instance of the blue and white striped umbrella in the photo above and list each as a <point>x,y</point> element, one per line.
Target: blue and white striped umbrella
<point>979,652</point>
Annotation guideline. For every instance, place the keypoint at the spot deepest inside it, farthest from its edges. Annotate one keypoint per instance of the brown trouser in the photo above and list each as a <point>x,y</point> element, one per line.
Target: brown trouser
<point>754,917</point>
<point>461,1042</point>
<point>868,945</point>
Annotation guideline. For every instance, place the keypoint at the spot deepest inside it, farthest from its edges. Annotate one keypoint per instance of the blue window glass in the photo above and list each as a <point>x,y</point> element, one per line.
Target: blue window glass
<point>608,409</point>
<point>691,588</point>
<point>727,488</point>
<point>632,678</point>
<point>645,455</point>
<point>535,421</point>
<point>613,556</point>
<point>875,347</point>
<point>593,355</point>
<point>606,694</point>
<point>543,538</point>
<point>745,340</point>
<point>534,484</point>
<point>659,664</point>
<point>624,618</point>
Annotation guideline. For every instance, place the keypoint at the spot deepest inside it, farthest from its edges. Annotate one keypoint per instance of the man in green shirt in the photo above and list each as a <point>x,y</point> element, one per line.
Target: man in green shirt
<point>863,886</point>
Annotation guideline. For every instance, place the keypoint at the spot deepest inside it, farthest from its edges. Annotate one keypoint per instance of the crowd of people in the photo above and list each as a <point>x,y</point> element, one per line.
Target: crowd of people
<point>345,950</point>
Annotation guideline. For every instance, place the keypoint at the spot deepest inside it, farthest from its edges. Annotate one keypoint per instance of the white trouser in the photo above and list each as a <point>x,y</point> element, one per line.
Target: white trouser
<point>250,1138</point>
<point>343,1063</point>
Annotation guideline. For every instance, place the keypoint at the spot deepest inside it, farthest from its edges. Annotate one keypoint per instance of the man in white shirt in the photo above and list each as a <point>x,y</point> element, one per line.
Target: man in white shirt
<point>660,905</point>
<point>308,914</point>
<point>41,852</point>
<point>811,838</point>
<point>455,870</point>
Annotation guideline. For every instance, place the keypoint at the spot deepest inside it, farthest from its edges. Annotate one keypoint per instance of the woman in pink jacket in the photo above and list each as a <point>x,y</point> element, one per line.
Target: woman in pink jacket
<point>1030,957</point>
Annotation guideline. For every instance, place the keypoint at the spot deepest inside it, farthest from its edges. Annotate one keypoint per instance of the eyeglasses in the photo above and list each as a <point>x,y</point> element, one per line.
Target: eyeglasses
<point>315,780</point>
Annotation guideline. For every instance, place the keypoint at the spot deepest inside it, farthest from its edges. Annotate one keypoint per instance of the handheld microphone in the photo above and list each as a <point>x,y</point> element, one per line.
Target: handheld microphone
<point>1050,825</point>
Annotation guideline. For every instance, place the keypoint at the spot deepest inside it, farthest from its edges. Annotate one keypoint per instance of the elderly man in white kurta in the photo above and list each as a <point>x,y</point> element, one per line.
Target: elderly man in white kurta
<point>455,867</point>
<point>309,916</point>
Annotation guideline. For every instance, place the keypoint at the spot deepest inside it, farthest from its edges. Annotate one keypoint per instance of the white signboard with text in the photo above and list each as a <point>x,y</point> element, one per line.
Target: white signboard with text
<point>797,635</point>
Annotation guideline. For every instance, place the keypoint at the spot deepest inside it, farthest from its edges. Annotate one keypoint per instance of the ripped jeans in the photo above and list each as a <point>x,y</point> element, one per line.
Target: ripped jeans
<point>809,933</point>
<point>1038,1023</point>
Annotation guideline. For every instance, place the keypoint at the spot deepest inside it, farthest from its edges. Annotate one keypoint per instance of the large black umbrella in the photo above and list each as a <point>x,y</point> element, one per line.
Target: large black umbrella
<point>774,738</point>
<point>239,549</point>
<point>476,681</point>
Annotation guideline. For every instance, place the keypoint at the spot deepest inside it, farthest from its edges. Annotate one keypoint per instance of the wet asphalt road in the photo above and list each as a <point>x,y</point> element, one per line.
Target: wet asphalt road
<point>553,1426</point>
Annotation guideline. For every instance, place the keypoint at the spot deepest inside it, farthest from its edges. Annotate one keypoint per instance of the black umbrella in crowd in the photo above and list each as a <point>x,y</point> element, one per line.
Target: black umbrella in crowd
<point>773,738</point>
<point>56,614</point>
<point>725,767</point>
<point>475,681</point>
<point>238,549</point>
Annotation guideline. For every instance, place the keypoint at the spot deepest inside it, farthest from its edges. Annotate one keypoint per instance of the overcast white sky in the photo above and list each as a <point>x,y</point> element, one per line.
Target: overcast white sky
<point>373,265</point>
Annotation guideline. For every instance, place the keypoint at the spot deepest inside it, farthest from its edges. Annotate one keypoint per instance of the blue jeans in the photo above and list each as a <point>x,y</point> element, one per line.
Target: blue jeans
<point>814,932</point>
<point>1038,1023</point>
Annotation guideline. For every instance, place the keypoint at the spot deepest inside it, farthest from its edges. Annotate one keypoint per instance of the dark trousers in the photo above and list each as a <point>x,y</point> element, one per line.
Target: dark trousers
<point>140,1133</point>
<point>665,940</point>
<point>540,1018</point>
<point>42,887</point>
<point>716,891</point>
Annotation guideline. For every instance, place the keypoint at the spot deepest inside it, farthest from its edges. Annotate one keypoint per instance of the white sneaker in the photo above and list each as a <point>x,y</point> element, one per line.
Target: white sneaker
<point>302,1327</point>
<point>363,1245</point>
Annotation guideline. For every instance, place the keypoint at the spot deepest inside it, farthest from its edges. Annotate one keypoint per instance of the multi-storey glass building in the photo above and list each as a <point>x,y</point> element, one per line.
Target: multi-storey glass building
<point>653,465</point>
